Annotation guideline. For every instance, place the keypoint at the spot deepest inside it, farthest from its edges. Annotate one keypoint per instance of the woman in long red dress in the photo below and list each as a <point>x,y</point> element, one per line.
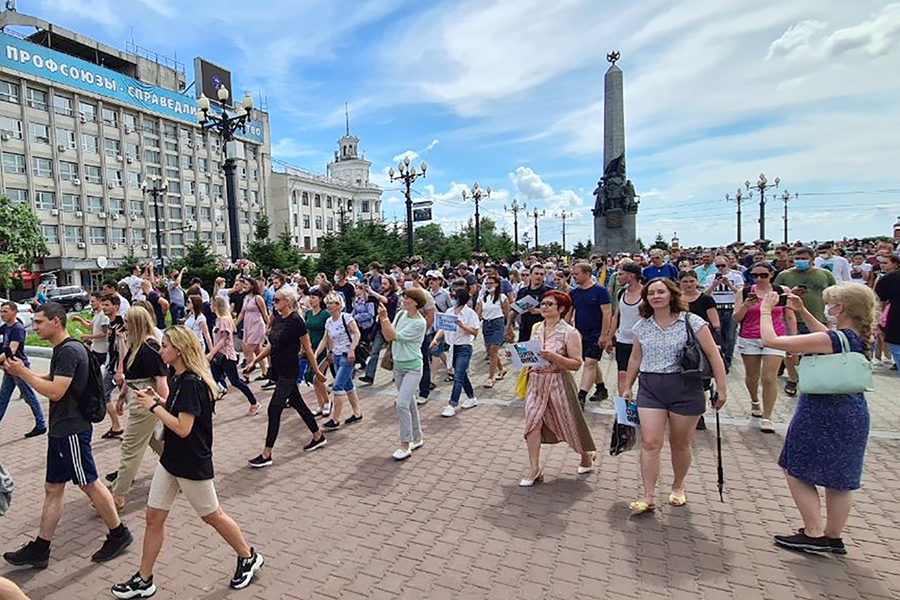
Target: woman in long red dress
<point>552,412</point>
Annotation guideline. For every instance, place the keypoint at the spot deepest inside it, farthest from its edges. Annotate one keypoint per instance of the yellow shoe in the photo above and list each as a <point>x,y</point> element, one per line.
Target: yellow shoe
<point>677,500</point>
<point>640,507</point>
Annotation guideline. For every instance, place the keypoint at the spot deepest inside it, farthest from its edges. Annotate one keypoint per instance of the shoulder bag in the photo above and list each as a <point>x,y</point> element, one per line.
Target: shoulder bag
<point>363,349</point>
<point>844,373</point>
<point>693,359</point>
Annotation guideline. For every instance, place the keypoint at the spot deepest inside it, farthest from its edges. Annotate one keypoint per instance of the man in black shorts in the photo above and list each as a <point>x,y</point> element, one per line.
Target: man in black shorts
<point>628,301</point>
<point>69,456</point>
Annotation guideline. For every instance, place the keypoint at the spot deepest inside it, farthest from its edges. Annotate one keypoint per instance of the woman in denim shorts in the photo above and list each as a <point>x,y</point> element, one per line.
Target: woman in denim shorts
<point>343,336</point>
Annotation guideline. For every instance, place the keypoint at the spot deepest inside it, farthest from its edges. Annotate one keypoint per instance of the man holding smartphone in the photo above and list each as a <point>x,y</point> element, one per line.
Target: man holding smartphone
<point>12,334</point>
<point>723,286</point>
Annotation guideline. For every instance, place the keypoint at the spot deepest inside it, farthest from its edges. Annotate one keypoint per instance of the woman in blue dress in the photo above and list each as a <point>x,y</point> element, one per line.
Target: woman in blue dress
<point>826,441</point>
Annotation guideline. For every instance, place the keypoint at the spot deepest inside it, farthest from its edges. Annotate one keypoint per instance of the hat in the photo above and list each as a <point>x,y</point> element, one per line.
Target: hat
<point>462,265</point>
<point>435,275</point>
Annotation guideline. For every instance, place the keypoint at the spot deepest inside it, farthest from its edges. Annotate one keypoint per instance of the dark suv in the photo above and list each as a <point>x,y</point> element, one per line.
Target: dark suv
<point>72,297</point>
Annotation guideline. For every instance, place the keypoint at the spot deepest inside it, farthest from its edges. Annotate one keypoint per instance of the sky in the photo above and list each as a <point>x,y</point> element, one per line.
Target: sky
<point>509,94</point>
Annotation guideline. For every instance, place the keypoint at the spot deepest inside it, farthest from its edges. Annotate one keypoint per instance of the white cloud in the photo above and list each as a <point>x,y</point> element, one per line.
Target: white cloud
<point>531,187</point>
<point>797,41</point>
<point>432,145</point>
<point>287,147</point>
<point>410,154</point>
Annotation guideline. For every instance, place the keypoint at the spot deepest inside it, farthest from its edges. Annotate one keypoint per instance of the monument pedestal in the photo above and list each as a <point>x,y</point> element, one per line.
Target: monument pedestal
<point>609,239</point>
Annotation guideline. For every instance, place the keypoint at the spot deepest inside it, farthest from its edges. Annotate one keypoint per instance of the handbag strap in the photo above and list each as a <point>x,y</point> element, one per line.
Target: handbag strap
<point>845,343</point>
<point>691,338</point>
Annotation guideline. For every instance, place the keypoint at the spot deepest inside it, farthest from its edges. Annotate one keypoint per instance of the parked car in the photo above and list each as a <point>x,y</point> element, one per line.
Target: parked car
<point>26,313</point>
<point>72,297</point>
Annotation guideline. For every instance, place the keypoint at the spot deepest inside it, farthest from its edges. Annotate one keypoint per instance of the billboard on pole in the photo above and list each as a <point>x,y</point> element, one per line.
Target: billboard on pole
<point>209,77</point>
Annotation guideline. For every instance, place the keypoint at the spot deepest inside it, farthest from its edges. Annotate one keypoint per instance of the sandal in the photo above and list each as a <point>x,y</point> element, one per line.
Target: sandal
<point>489,384</point>
<point>111,435</point>
<point>756,410</point>
<point>675,500</point>
<point>765,425</point>
<point>790,388</point>
<point>501,375</point>
<point>640,507</point>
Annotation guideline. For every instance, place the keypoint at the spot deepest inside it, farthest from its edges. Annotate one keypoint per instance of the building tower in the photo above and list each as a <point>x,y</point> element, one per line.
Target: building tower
<point>348,166</point>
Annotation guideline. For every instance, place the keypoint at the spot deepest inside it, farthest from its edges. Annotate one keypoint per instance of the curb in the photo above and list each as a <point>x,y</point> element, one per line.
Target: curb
<point>39,351</point>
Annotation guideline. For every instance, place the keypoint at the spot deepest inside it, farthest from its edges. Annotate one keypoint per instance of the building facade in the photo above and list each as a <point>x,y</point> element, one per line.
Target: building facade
<point>312,206</point>
<point>83,124</point>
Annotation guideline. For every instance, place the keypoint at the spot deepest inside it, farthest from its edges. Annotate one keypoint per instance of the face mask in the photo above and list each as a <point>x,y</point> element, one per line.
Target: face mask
<point>407,284</point>
<point>823,257</point>
<point>491,288</point>
<point>832,319</point>
<point>336,278</point>
<point>801,264</point>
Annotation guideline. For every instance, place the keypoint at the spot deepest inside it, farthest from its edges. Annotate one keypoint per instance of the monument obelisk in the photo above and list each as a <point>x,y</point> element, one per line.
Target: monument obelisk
<point>615,210</point>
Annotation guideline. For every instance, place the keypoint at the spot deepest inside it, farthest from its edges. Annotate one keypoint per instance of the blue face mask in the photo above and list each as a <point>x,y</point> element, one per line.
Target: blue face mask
<point>801,264</point>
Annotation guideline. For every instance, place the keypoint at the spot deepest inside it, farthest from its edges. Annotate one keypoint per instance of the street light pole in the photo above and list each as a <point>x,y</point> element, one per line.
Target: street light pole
<point>786,197</point>
<point>536,215</point>
<point>156,192</point>
<point>477,194</point>
<point>226,126</point>
<point>563,216</point>
<point>407,175</point>
<point>762,185</point>
<point>514,208</point>
<point>738,198</point>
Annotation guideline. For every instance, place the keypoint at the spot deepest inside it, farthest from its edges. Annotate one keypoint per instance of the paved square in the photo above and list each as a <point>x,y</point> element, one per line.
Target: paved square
<point>451,522</point>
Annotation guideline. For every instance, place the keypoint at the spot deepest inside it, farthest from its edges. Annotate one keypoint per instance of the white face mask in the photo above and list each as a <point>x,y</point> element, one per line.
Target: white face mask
<point>832,319</point>
<point>407,284</point>
<point>491,288</point>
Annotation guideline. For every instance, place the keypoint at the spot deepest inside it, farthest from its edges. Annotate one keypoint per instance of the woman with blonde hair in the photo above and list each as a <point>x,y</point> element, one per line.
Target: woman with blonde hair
<point>142,367</point>
<point>342,336</point>
<point>186,463</point>
<point>222,356</point>
<point>826,441</point>
<point>220,288</point>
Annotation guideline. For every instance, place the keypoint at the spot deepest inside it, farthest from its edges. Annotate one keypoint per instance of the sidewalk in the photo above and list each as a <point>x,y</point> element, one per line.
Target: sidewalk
<point>451,522</point>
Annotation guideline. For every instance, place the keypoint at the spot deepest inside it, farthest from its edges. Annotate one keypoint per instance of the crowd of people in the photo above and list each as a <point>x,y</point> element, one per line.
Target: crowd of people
<point>169,349</point>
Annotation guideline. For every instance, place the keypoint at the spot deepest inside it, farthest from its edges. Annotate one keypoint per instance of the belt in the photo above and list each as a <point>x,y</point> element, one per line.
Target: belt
<point>725,306</point>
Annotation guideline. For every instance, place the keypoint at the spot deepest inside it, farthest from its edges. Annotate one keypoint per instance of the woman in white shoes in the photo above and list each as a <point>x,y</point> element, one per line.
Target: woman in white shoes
<point>186,463</point>
<point>460,342</point>
<point>552,412</point>
<point>407,333</point>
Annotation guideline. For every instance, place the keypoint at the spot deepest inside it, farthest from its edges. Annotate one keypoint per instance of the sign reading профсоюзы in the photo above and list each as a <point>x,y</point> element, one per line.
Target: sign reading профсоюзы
<point>26,57</point>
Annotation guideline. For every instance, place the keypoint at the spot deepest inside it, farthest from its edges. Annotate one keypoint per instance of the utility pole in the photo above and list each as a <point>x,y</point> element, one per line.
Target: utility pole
<point>407,175</point>
<point>514,208</point>
<point>476,194</point>
<point>786,197</point>
<point>536,215</point>
<point>562,215</point>
<point>738,198</point>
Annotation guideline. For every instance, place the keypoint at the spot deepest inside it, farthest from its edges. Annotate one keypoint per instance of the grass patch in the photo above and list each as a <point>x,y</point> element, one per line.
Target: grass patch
<point>74,328</point>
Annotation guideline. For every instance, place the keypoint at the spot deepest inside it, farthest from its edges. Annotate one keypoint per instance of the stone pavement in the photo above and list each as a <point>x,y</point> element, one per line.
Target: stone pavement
<point>451,522</point>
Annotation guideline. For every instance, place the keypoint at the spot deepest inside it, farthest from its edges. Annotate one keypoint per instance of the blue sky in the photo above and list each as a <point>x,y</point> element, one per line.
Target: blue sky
<point>509,93</point>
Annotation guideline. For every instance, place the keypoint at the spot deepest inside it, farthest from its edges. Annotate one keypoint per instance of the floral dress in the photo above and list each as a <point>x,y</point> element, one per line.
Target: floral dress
<point>551,400</point>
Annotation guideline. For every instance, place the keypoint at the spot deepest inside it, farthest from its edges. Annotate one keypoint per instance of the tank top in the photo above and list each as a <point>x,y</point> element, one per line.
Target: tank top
<point>629,314</point>
<point>750,324</point>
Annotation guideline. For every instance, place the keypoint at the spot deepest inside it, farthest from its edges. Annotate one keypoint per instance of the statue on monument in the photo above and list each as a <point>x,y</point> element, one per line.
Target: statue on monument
<point>615,194</point>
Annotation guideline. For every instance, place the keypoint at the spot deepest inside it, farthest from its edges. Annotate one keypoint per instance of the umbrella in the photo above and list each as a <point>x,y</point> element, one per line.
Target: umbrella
<point>714,397</point>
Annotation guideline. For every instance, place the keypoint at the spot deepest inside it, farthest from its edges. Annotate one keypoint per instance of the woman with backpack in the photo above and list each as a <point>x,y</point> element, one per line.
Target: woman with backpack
<point>140,367</point>
<point>342,337</point>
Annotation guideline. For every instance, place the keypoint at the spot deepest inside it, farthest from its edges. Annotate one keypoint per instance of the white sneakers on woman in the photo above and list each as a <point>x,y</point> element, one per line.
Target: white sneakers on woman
<point>450,410</point>
<point>401,454</point>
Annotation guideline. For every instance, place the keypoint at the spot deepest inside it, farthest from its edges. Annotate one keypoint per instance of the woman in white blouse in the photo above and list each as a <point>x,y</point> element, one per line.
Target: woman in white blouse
<point>665,394</point>
<point>460,342</point>
<point>493,308</point>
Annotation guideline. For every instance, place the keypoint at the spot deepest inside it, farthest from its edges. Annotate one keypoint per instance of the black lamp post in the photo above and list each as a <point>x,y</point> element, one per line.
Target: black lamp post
<point>407,175</point>
<point>477,194</point>
<point>514,208</point>
<point>762,185</point>
<point>738,198</point>
<point>226,126</point>
<point>157,191</point>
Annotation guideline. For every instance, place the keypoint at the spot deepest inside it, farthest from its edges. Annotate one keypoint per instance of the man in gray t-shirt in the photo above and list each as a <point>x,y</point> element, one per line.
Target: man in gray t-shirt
<point>176,296</point>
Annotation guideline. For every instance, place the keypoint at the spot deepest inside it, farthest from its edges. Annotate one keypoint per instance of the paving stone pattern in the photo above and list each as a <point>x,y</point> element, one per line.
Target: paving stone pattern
<point>451,522</point>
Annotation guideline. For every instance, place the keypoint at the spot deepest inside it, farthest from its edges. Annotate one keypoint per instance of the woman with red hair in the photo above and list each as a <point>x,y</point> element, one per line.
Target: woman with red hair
<point>552,412</point>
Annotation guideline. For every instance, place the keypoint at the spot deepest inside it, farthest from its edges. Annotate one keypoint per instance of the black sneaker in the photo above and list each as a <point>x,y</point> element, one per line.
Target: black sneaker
<point>136,587</point>
<point>837,544</point>
<point>331,425</point>
<point>269,385</point>
<point>353,419</point>
<point>36,432</point>
<point>114,545</point>
<point>582,398</point>
<point>600,394</point>
<point>701,424</point>
<point>790,388</point>
<point>802,542</point>
<point>28,555</point>
<point>260,461</point>
<point>315,444</point>
<point>431,386</point>
<point>246,568</point>
<point>366,380</point>
<point>111,477</point>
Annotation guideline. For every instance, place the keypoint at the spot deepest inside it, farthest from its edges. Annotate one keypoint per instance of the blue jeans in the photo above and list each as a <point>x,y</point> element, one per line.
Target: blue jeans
<point>729,334</point>
<point>228,368</point>
<point>178,313</point>
<point>895,352</point>
<point>6,389</point>
<point>377,345</point>
<point>461,357</point>
<point>424,389</point>
<point>343,379</point>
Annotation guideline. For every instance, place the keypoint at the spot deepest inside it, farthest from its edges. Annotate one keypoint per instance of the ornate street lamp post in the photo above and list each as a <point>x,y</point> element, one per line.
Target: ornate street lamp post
<point>407,175</point>
<point>763,185</point>
<point>157,191</point>
<point>477,194</point>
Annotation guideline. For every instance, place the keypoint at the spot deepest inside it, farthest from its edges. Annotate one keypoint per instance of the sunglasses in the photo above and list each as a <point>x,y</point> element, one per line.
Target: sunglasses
<point>277,299</point>
<point>721,266</point>
<point>760,275</point>
<point>548,304</point>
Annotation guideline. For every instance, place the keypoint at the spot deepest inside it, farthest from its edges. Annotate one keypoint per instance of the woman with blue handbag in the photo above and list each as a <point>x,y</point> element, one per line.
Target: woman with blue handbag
<point>826,441</point>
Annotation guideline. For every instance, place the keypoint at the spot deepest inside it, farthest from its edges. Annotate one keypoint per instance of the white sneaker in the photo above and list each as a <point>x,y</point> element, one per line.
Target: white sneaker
<point>876,362</point>
<point>449,411</point>
<point>416,445</point>
<point>469,403</point>
<point>401,454</point>
<point>327,410</point>
<point>420,400</point>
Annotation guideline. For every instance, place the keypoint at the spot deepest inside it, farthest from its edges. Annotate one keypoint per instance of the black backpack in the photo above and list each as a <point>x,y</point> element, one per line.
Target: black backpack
<point>91,400</point>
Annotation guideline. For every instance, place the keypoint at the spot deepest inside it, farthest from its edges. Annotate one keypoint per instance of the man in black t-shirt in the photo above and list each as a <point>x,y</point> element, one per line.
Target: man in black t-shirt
<point>69,455</point>
<point>535,289</point>
<point>109,304</point>
<point>345,288</point>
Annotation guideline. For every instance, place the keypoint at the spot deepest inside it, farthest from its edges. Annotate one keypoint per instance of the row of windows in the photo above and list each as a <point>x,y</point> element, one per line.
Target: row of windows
<point>75,234</point>
<point>303,198</point>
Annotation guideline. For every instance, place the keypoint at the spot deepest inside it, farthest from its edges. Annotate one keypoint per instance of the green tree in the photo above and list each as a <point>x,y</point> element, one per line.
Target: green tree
<point>123,270</point>
<point>21,240</point>
<point>202,263</point>
<point>361,243</point>
<point>583,250</point>
<point>660,242</point>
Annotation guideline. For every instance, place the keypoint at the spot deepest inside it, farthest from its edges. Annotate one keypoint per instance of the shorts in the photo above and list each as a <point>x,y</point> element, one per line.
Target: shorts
<point>623,355</point>
<point>109,382</point>
<point>200,493</point>
<point>70,459</point>
<point>440,348</point>
<point>343,378</point>
<point>590,346</point>
<point>672,392</point>
<point>492,330</point>
<point>752,347</point>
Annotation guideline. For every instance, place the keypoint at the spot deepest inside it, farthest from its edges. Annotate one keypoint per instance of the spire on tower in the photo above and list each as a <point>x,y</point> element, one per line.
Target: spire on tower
<point>347,116</point>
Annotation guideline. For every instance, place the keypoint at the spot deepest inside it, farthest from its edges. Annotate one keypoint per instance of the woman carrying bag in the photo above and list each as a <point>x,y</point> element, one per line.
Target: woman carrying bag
<point>666,394</point>
<point>826,441</point>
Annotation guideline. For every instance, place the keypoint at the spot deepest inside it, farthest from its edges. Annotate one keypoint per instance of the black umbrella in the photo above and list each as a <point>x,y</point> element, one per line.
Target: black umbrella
<point>714,398</point>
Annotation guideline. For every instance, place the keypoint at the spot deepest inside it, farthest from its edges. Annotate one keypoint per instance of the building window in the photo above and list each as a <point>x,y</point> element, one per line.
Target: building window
<point>13,163</point>
<point>40,133</point>
<point>151,142</point>
<point>74,234</point>
<point>318,201</point>
<point>173,173</point>
<point>36,98</point>
<point>305,221</point>
<point>9,92</point>
<point>151,156</point>
<point>62,105</point>
<point>11,127</point>
<point>203,164</point>
<point>307,243</point>
<point>254,195</point>
<point>217,190</point>
<point>190,213</point>
<point>139,236</point>
<point>295,220</point>
<point>176,239</point>
<point>51,233</point>
<point>175,213</point>
<point>134,180</point>
<point>330,223</point>
<point>95,204</point>
<point>173,200</point>
<point>172,160</point>
<point>187,161</point>
<point>65,138</point>
<point>205,213</point>
<point>88,111</point>
<point>220,216</point>
<point>90,143</point>
<point>71,202</point>
<point>68,170</point>
<point>114,176</point>
<point>98,235</point>
<point>245,216</point>
<point>170,131</point>
<point>117,235</point>
<point>174,186</point>
<point>189,187</point>
<point>18,196</point>
<point>117,206</point>
<point>43,167</point>
<point>243,173</point>
<point>131,151</point>
<point>220,237</point>
<point>113,148</point>
<point>151,126</point>
<point>365,206</point>
<point>44,200</point>
<point>171,146</point>
<point>206,236</point>
<point>130,121</point>
<point>318,223</point>
<point>328,202</point>
<point>110,116</point>
<point>92,174</point>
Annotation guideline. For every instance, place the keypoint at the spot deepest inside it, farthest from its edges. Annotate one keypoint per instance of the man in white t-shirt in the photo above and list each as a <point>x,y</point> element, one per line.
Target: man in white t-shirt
<point>134,282</point>
<point>723,287</point>
<point>860,270</point>
<point>838,265</point>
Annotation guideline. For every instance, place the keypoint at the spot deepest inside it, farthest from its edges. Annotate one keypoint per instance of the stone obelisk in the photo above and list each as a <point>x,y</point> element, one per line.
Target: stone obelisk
<point>615,211</point>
